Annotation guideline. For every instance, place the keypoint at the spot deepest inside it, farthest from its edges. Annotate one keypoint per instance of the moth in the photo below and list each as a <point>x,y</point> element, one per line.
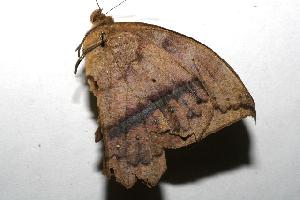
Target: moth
<point>156,89</point>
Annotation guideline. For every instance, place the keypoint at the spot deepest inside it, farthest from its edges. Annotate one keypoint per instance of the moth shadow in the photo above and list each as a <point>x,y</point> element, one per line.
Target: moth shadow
<point>225,150</point>
<point>115,191</point>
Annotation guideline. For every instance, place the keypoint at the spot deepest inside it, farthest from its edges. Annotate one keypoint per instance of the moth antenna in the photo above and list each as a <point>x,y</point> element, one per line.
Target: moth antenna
<point>115,6</point>
<point>98,4</point>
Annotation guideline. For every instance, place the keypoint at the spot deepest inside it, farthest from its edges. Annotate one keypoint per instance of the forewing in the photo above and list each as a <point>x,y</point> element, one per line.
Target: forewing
<point>157,89</point>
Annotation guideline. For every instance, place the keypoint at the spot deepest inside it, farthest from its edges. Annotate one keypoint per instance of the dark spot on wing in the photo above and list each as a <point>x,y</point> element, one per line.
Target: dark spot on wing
<point>168,45</point>
<point>139,56</point>
<point>193,114</point>
<point>142,155</point>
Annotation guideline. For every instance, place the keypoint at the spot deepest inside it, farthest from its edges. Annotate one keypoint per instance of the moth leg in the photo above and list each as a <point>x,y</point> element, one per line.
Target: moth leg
<point>101,43</point>
<point>84,53</point>
<point>79,47</point>
<point>102,39</point>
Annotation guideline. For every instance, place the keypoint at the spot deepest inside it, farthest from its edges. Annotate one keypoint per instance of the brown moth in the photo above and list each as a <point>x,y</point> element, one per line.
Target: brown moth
<point>156,89</point>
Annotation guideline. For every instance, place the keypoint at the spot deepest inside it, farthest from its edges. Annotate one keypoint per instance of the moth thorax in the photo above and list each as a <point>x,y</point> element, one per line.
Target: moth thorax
<point>97,17</point>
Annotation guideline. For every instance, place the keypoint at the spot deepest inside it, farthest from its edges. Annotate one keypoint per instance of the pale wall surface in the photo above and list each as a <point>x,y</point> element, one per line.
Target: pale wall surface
<point>47,126</point>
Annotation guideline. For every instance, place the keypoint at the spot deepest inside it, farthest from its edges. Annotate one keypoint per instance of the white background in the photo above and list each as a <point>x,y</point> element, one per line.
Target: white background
<point>47,126</point>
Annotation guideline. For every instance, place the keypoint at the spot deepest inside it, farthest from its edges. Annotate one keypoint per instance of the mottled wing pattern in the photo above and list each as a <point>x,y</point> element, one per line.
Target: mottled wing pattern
<point>157,89</point>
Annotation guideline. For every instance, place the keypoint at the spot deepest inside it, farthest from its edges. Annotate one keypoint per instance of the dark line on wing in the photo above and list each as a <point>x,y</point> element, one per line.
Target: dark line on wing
<point>133,120</point>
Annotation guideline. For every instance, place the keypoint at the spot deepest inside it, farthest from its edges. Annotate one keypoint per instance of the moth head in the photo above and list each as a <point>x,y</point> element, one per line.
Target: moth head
<point>97,17</point>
